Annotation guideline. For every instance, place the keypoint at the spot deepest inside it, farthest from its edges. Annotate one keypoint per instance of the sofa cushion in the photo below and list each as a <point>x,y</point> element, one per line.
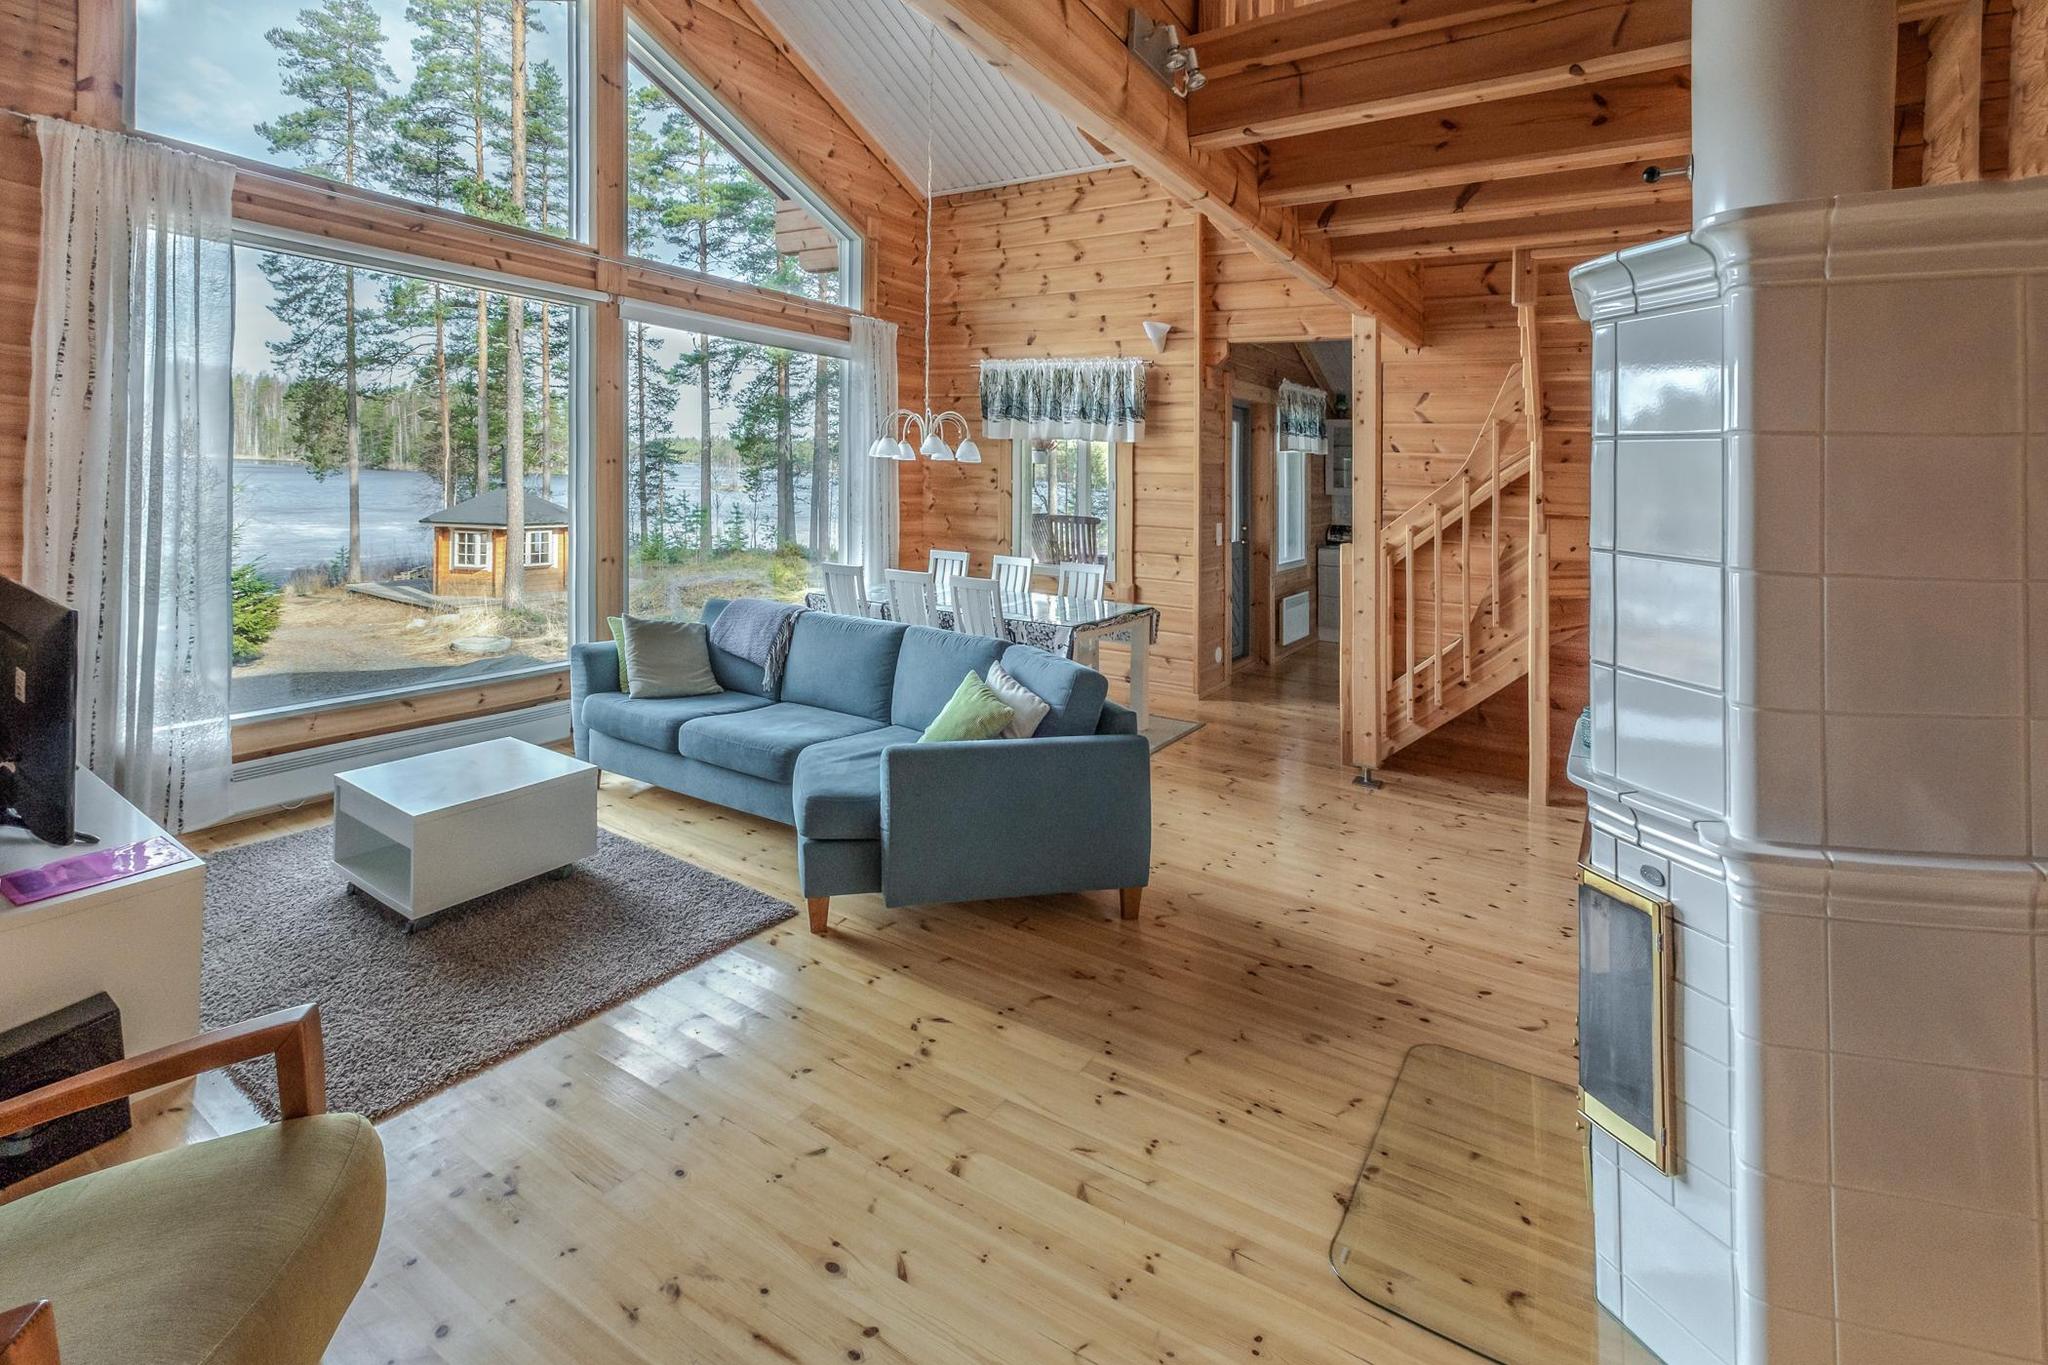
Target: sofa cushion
<point>652,723</point>
<point>838,792</point>
<point>242,1250</point>
<point>734,674</point>
<point>844,663</point>
<point>1075,693</point>
<point>765,741</point>
<point>930,668</point>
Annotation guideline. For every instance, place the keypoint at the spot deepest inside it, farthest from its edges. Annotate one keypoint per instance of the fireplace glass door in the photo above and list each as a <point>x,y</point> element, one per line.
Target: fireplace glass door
<point>1624,990</point>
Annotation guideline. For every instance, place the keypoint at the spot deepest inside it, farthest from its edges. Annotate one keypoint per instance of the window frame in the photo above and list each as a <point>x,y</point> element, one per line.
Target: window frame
<point>1020,499</point>
<point>1290,487</point>
<point>547,544</point>
<point>469,550</point>
<point>645,51</point>
<point>674,319</point>
<point>580,480</point>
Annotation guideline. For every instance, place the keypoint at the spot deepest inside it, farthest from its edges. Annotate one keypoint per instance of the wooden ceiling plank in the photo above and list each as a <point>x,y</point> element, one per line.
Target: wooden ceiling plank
<point>1335,26</point>
<point>1491,201</point>
<point>1953,113</point>
<point>1568,44</point>
<point>1487,240</point>
<point>1635,118</point>
<point>1074,58</point>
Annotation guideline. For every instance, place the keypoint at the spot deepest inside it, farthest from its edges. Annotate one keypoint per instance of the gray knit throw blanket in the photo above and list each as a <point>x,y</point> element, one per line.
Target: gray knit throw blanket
<point>758,631</point>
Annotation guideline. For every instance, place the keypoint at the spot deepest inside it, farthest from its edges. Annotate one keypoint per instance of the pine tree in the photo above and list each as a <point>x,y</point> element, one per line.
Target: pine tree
<point>428,165</point>
<point>333,64</point>
<point>515,336</point>
<point>652,389</point>
<point>547,145</point>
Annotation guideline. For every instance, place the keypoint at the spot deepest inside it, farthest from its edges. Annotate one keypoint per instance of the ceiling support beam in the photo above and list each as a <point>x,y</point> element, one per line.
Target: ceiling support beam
<point>1336,26</point>
<point>1955,96</point>
<point>1574,43</point>
<point>2028,119</point>
<point>1497,201</point>
<point>1075,58</point>
<point>1635,118</point>
<point>1604,228</point>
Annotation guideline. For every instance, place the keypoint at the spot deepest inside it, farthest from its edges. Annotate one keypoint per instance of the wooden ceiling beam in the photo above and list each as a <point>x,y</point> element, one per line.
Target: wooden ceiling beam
<point>1569,43</point>
<point>1605,228</point>
<point>1335,26</point>
<point>1493,201</point>
<point>1073,56</point>
<point>1634,118</point>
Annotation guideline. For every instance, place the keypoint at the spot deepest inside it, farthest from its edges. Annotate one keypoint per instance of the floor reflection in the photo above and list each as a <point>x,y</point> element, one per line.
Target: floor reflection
<point>1471,1216</point>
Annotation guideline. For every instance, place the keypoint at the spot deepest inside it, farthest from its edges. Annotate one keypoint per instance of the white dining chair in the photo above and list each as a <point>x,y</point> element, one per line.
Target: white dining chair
<point>946,566</point>
<point>1082,582</point>
<point>978,607</point>
<point>910,597</point>
<point>1013,576</point>
<point>846,589</point>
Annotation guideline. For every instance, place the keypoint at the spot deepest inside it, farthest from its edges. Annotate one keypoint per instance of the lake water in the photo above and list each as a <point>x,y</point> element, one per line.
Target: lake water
<point>286,519</point>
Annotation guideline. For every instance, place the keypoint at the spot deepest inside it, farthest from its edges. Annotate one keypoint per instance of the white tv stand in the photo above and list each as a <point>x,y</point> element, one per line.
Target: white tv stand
<point>137,940</point>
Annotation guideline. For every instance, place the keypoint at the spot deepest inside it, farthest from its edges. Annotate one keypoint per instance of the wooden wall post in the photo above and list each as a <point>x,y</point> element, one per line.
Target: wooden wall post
<point>1955,95</point>
<point>106,32</point>
<point>2028,120</point>
<point>1526,295</point>
<point>1363,678</point>
<point>608,329</point>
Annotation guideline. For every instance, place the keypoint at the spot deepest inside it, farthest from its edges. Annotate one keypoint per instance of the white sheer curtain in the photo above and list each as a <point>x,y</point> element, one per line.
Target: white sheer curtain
<point>871,484</point>
<point>130,457</point>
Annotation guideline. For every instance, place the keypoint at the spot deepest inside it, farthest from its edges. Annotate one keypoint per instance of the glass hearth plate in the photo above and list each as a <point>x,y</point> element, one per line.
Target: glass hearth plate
<point>1471,1217</point>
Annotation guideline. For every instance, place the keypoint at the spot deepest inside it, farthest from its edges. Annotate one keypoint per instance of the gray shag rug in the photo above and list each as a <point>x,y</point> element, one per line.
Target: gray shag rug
<point>405,1014</point>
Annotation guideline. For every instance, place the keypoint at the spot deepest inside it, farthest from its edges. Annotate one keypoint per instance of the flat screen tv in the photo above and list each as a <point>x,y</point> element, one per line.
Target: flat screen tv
<point>38,662</point>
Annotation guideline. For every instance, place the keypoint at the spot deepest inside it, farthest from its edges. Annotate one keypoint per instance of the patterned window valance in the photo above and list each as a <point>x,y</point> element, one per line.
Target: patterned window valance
<point>1302,425</point>
<point>1087,400</point>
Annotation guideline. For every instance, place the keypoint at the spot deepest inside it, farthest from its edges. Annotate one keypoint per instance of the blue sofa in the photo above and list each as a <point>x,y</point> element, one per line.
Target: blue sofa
<point>834,752</point>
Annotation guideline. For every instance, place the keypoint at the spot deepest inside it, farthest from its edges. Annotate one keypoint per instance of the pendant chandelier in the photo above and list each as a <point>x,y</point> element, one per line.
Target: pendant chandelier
<point>894,442</point>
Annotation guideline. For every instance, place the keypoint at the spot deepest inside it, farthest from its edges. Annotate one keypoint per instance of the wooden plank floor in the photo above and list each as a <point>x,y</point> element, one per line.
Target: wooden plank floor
<point>1006,1133</point>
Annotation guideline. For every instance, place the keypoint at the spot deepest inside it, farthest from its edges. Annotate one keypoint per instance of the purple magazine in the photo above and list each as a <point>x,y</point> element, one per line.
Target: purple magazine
<point>96,868</point>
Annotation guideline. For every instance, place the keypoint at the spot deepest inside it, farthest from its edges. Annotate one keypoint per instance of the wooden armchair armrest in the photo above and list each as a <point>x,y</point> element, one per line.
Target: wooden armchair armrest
<point>292,1036</point>
<point>28,1334</point>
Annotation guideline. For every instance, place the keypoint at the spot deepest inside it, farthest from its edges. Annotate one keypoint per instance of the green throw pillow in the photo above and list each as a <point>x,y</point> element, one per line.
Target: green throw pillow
<point>975,712</point>
<point>668,659</point>
<point>618,625</point>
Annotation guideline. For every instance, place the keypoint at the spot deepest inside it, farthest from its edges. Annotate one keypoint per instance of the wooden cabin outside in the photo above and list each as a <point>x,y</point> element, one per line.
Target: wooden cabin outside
<point>470,547</point>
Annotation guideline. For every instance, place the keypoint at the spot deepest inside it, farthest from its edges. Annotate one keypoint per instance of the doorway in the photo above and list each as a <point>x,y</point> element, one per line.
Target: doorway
<point>1240,531</point>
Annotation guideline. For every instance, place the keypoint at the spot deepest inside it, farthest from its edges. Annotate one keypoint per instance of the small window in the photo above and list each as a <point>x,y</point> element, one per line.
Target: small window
<point>540,549</point>
<point>1066,503</point>
<point>472,550</point>
<point>1290,512</point>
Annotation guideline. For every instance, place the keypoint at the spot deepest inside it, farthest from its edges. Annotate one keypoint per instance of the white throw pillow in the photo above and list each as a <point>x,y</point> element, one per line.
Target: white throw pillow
<point>1029,706</point>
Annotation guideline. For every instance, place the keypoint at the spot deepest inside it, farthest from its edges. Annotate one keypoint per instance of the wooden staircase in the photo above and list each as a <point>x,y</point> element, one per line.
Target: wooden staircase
<point>1446,605</point>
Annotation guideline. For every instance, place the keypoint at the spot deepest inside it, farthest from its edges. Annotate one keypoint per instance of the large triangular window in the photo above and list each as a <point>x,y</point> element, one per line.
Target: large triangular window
<point>704,194</point>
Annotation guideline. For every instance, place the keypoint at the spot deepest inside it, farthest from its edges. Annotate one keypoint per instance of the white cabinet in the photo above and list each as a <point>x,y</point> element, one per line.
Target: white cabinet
<point>137,940</point>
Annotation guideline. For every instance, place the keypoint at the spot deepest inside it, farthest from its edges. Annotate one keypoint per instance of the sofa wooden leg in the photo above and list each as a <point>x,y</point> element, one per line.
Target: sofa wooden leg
<point>1131,895</point>
<point>818,905</point>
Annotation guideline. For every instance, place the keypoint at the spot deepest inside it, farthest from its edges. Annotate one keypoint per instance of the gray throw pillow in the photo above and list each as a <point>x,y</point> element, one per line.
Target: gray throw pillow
<point>668,658</point>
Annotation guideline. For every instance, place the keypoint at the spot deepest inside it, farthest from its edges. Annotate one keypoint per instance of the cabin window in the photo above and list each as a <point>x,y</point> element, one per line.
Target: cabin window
<point>540,549</point>
<point>703,194</point>
<point>419,101</point>
<point>472,550</point>
<point>339,597</point>
<point>1065,503</point>
<point>1290,510</point>
<point>735,465</point>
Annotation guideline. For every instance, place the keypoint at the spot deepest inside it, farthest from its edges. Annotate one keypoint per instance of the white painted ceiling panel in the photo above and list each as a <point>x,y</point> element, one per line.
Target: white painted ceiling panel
<point>986,130</point>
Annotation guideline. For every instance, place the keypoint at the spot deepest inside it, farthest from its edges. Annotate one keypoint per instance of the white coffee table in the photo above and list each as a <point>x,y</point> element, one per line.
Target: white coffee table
<point>420,835</point>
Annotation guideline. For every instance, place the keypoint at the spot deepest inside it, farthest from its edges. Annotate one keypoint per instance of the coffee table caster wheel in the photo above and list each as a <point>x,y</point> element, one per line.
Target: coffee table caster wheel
<point>562,873</point>
<point>355,893</point>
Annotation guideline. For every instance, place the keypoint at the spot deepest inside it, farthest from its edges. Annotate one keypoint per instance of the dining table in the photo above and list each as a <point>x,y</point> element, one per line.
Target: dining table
<point>1073,627</point>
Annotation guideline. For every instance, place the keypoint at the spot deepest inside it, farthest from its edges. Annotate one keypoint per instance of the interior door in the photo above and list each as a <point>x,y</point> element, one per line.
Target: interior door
<point>1240,531</point>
